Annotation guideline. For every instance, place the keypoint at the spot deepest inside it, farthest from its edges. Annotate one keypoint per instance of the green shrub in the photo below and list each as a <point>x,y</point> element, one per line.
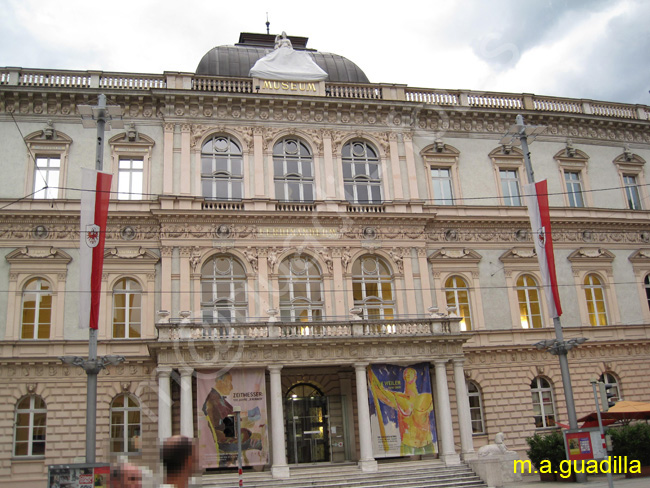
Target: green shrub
<point>546,447</point>
<point>633,441</point>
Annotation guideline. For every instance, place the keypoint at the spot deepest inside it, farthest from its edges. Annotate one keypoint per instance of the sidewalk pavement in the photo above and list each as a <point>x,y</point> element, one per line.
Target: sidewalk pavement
<point>593,481</point>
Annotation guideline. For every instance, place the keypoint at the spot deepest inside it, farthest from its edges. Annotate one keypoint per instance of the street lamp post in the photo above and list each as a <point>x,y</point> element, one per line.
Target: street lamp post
<point>520,133</point>
<point>97,116</point>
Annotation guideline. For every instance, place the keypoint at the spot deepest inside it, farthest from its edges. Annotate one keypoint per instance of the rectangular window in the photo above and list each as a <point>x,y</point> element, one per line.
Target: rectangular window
<point>46,177</point>
<point>632,192</point>
<point>130,179</point>
<point>510,187</point>
<point>574,188</point>
<point>442,186</point>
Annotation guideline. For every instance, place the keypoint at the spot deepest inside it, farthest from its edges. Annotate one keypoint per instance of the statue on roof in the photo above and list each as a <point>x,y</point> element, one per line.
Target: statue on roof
<point>281,40</point>
<point>284,63</point>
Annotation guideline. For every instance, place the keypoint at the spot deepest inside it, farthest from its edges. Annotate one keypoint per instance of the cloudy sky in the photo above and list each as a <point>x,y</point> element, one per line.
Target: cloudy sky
<point>593,49</point>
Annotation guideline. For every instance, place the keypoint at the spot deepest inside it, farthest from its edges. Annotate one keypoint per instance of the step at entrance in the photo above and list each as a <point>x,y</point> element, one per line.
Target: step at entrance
<point>405,474</point>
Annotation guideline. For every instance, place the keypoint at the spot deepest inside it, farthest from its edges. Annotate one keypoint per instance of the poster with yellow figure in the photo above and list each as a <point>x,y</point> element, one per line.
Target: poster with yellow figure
<point>218,392</point>
<point>401,410</point>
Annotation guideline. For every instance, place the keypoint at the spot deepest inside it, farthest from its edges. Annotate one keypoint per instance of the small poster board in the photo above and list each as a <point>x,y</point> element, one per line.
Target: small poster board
<point>78,476</point>
<point>584,444</point>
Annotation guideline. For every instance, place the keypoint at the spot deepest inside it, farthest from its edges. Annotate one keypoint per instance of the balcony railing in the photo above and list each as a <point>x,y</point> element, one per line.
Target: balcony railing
<point>362,91</point>
<point>187,330</point>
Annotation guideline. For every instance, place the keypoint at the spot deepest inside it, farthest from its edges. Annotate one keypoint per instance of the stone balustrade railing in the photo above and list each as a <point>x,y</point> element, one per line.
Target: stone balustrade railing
<point>188,330</point>
<point>388,92</point>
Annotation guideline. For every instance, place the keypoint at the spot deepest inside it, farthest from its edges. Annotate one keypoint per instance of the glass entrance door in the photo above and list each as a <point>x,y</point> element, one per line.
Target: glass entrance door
<point>307,429</point>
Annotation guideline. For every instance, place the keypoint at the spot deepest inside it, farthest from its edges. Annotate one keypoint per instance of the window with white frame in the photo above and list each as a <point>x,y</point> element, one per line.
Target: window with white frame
<point>443,188</point>
<point>47,170</point>
<point>222,168</point>
<point>36,309</point>
<point>293,171</point>
<point>131,164</point>
<point>543,403</point>
<point>361,173</point>
<point>574,189</point>
<point>632,197</point>
<point>30,424</point>
<point>223,290</point>
<point>372,288</point>
<point>475,407</point>
<point>595,298</point>
<point>530,310</point>
<point>457,295</point>
<point>631,170</point>
<point>126,426</point>
<point>609,378</point>
<point>127,309</point>
<point>301,289</point>
<point>130,178</point>
<point>441,163</point>
<point>510,187</point>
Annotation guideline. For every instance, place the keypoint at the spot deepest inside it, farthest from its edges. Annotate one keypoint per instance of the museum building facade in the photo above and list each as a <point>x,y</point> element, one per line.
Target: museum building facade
<point>343,261</point>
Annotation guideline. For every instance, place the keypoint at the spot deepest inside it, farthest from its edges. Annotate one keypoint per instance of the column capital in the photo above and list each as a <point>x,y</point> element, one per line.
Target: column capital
<point>440,362</point>
<point>163,371</point>
<point>274,368</point>
<point>186,371</point>
<point>458,361</point>
<point>360,366</point>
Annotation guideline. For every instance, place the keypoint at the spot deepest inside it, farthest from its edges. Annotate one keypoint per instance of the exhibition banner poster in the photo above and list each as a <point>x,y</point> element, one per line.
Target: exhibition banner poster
<point>218,392</point>
<point>401,410</point>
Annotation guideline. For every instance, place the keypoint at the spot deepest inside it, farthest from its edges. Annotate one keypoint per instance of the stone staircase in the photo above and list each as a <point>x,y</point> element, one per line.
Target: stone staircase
<point>402,474</point>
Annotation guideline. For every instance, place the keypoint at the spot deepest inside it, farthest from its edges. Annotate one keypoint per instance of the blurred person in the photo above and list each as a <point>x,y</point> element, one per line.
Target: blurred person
<point>125,475</point>
<point>179,457</point>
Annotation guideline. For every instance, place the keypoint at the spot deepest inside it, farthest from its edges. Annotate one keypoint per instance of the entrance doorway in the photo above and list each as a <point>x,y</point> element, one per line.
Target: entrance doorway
<point>307,417</point>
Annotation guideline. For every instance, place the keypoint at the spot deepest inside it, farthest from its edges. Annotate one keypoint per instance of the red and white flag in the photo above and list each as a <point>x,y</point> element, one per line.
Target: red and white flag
<point>540,223</point>
<point>96,187</point>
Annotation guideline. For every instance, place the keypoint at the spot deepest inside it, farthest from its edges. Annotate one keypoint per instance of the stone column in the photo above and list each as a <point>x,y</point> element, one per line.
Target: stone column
<point>345,381</point>
<point>164,403</point>
<point>166,279</point>
<point>168,159</point>
<point>464,416</point>
<point>367,462</point>
<point>279,468</point>
<point>445,428</point>
<point>185,295</point>
<point>187,405</point>
<point>185,175</point>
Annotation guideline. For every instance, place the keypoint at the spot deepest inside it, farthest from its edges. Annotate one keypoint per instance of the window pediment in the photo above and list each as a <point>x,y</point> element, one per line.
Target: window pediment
<point>517,255</point>
<point>453,255</point>
<point>132,252</point>
<point>591,255</point>
<point>38,254</point>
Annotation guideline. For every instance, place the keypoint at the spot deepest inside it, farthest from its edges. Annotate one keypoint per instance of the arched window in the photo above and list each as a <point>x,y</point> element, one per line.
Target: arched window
<point>37,310</point>
<point>543,403</point>
<point>126,427</point>
<point>301,289</point>
<point>361,173</point>
<point>529,308</point>
<point>304,390</point>
<point>127,309</point>
<point>221,168</point>
<point>612,380</point>
<point>646,283</point>
<point>29,426</point>
<point>595,296</point>
<point>475,408</point>
<point>457,294</point>
<point>223,290</point>
<point>293,171</point>
<point>372,288</point>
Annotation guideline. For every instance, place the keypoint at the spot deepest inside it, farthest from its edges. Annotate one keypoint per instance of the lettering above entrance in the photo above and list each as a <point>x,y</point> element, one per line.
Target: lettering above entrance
<point>309,88</point>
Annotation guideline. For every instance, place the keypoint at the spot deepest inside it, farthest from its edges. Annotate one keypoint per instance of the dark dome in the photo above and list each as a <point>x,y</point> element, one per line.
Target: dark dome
<point>236,61</point>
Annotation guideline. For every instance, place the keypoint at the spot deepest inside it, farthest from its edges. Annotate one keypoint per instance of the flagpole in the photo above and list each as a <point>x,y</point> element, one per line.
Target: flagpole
<point>559,346</point>
<point>97,115</point>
